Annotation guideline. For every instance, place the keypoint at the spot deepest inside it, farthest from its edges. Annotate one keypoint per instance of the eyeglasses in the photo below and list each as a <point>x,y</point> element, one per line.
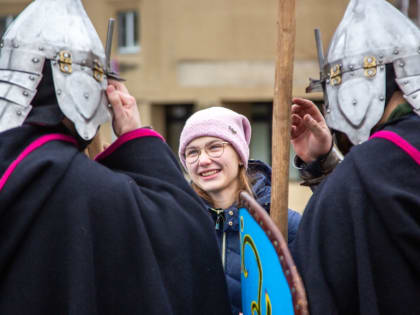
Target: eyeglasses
<point>213,149</point>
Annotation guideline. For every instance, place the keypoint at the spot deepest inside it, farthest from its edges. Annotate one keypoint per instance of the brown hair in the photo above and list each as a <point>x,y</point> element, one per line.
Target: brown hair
<point>244,184</point>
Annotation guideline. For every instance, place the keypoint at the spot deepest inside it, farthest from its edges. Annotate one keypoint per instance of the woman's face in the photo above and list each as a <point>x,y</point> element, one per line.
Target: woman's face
<point>213,174</point>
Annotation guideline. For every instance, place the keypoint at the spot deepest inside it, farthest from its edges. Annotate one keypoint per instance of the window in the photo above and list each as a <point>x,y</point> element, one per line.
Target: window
<point>261,117</point>
<point>128,32</point>
<point>176,116</point>
<point>5,21</point>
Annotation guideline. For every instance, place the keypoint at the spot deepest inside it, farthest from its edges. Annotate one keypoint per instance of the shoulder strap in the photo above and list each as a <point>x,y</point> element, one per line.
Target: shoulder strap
<point>400,142</point>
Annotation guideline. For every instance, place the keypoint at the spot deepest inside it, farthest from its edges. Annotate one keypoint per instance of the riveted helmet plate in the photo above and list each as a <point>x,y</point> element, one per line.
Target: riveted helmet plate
<point>372,33</point>
<point>61,32</point>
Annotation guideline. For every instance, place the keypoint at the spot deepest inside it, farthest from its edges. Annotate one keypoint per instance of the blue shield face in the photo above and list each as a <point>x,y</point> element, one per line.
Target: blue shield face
<point>265,289</point>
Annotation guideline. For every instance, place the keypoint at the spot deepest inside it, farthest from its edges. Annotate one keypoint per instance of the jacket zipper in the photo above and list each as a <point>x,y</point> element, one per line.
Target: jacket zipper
<point>224,250</point>
<point>220,219</point>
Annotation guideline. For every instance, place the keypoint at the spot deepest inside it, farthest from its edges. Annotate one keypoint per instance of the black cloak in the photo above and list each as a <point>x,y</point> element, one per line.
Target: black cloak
<point>358,244</point>
<point>125,235</point>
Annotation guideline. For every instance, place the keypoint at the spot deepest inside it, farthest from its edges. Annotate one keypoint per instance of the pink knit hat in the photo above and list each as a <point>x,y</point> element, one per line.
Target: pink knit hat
<point>221,123</point>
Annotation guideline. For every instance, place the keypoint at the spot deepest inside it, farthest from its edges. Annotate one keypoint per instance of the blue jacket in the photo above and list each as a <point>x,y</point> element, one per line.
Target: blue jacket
<point>227,229</point>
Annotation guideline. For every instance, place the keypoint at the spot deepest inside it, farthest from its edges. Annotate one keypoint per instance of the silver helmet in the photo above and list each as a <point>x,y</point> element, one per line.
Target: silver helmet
<point>61,32</point>
<point>372,33</point>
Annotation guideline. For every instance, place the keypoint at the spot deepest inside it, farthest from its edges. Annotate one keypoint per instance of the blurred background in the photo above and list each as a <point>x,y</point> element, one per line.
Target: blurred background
<point>179,56</point>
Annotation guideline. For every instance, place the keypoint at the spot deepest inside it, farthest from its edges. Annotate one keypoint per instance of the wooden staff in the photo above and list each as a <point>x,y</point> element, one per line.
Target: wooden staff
<point>281,113</point>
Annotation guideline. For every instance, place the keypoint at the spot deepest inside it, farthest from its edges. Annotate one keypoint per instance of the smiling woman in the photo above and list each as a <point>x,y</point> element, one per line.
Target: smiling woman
<point>216,172</point>
<point>214,150</point>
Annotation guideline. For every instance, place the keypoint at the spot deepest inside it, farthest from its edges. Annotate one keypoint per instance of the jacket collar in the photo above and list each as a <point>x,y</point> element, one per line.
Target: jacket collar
<point>228,219</point>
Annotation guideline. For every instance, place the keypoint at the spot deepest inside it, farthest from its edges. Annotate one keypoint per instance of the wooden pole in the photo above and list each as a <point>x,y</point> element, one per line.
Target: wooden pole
<point>281,113</point>
<point>418,13</point>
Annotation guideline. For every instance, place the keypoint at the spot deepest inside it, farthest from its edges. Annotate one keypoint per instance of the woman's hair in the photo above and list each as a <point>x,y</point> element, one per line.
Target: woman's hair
<point>245,183</point>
